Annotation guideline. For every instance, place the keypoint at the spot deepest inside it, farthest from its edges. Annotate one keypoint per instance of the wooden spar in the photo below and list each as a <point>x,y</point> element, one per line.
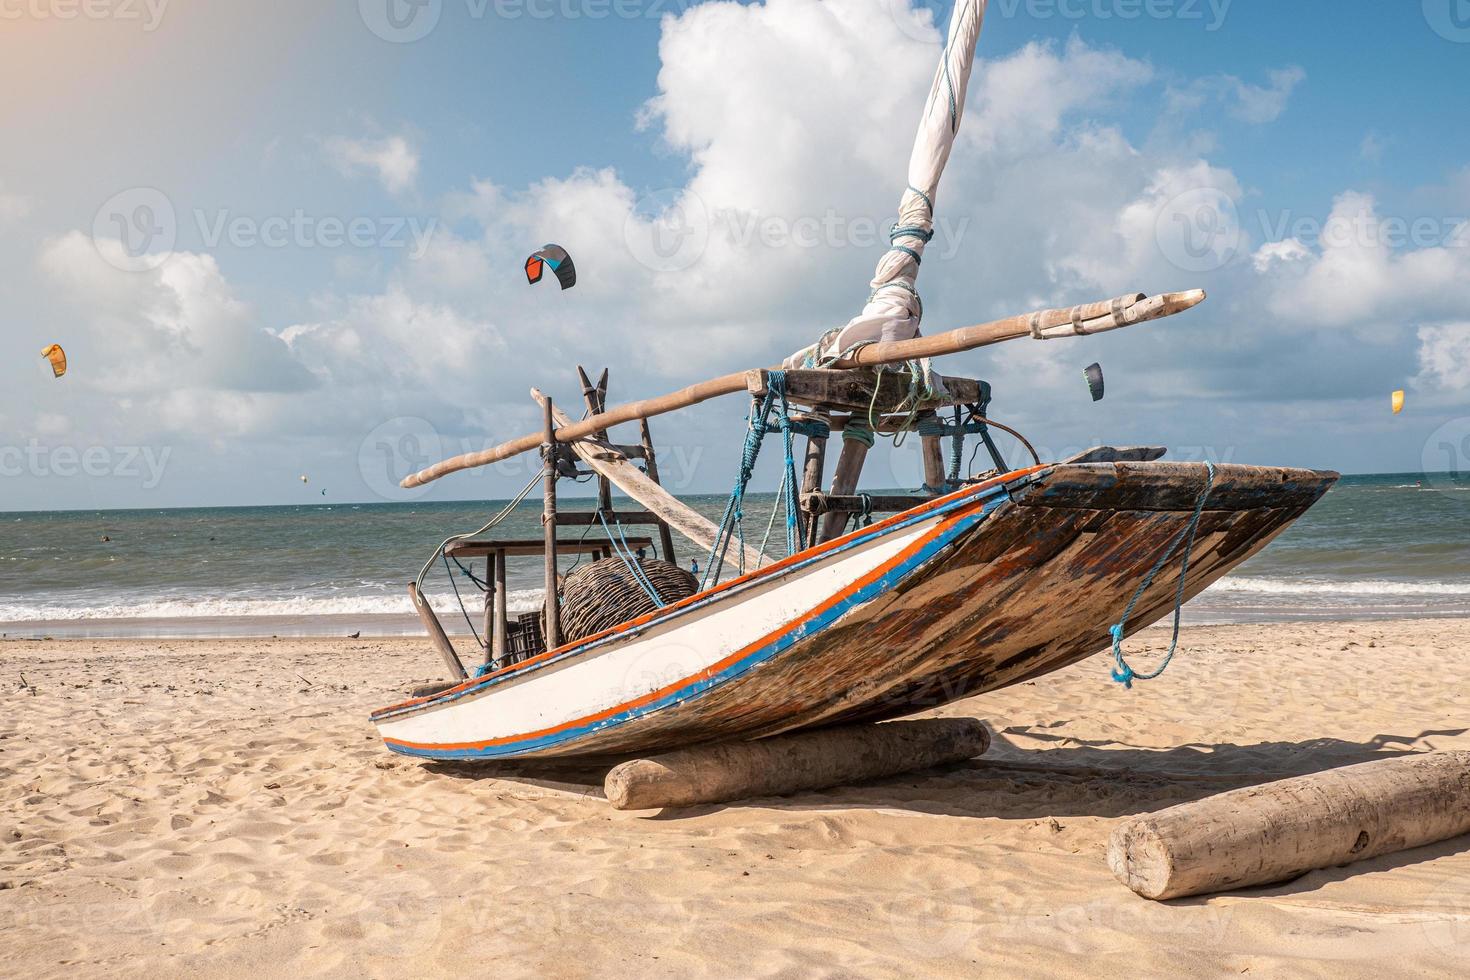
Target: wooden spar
<point>437,636</point>
<point>603,459</point>
<point>1044,325</point>
<point>548,521</point>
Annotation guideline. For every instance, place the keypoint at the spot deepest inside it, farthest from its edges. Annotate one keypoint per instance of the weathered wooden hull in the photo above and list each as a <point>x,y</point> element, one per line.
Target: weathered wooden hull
<point>986,587</point>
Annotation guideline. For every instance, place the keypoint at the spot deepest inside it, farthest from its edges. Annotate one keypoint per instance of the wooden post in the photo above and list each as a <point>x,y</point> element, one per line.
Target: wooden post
<point>487,619</point>
<point>596,399</point>
<point>548,521</point>
<point>935,476</point>
<point>650,464</point>
<point>811,481</point>
<point>844,482</point>
<point>498,644</point>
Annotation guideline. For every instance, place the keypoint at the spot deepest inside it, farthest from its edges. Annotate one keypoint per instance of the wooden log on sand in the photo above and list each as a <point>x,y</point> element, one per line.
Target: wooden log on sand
<point>791,763</point>
<point>1277,831</point>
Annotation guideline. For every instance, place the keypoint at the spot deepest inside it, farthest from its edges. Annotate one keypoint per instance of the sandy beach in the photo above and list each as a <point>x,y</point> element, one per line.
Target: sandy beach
<point>223,807</point>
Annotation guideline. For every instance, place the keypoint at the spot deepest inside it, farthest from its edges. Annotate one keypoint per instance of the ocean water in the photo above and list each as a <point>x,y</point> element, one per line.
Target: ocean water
<point>1376,546</point>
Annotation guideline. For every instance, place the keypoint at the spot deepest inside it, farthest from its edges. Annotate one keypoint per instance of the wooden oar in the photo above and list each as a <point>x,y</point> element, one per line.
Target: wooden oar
<point>1042,325</point>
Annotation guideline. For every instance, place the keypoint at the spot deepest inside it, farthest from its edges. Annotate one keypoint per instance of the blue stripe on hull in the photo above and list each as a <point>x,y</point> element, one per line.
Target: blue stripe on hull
<point>803,630</point>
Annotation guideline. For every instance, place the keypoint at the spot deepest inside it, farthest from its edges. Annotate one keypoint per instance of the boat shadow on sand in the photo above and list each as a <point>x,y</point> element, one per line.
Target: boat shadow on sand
<point>1078,778</point>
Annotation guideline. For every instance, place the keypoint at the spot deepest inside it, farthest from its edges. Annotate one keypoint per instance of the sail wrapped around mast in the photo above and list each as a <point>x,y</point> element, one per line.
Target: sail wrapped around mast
<point>893,310</point>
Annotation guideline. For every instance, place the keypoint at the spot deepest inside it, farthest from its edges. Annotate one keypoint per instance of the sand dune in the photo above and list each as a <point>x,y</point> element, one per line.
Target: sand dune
<point>224,808</point>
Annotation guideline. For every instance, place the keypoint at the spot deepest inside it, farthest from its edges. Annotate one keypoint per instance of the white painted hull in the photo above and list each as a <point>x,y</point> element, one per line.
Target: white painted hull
<point>857,628</point>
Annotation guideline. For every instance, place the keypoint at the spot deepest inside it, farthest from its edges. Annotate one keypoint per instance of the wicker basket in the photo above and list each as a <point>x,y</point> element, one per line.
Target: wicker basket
<point>604,594</point>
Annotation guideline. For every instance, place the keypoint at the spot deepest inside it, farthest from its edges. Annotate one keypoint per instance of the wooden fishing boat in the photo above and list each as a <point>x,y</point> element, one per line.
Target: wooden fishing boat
<point>1014,577</point>
<point>972,583</point>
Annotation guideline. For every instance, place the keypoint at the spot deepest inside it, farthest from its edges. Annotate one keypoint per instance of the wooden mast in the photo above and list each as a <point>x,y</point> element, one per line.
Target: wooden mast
<point>1043,324</point>
<point>548,521</point>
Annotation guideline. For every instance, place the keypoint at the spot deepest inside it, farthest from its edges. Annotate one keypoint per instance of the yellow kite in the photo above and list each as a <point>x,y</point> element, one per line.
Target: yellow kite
<point>1398,402</point>
<point>57,357</point>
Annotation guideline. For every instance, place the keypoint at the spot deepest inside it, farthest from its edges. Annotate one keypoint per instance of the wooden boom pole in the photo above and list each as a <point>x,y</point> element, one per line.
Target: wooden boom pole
<point>1078,321</point>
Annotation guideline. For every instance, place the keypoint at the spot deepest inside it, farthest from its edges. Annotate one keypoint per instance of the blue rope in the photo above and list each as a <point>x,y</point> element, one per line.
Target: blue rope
<point>625,552</point>
<point>1122,673</point>
<point>732,523</point>
<point>789,483</point>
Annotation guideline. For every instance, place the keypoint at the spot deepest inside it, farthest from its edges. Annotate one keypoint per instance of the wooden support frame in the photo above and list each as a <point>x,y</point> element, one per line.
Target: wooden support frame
<point>635,483</point>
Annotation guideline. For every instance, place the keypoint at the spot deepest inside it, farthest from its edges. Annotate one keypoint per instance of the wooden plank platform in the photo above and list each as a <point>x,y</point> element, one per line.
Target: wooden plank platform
<point>525,547</point>
<point>829,389</point>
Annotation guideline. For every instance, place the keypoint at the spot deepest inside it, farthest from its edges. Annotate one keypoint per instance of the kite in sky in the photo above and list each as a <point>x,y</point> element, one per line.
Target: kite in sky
<point>560,262</point>
<point>57,357</point>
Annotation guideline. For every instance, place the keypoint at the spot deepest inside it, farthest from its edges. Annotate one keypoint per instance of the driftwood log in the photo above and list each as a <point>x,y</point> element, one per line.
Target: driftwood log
<point>789,764</point>
<point>1277,831</point>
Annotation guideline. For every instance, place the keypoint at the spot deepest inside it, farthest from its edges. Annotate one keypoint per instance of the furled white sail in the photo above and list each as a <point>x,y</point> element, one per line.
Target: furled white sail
<point>894,308</point>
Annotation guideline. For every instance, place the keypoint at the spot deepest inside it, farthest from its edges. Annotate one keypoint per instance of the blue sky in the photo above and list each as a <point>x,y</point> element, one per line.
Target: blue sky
<point>1092,136</point>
